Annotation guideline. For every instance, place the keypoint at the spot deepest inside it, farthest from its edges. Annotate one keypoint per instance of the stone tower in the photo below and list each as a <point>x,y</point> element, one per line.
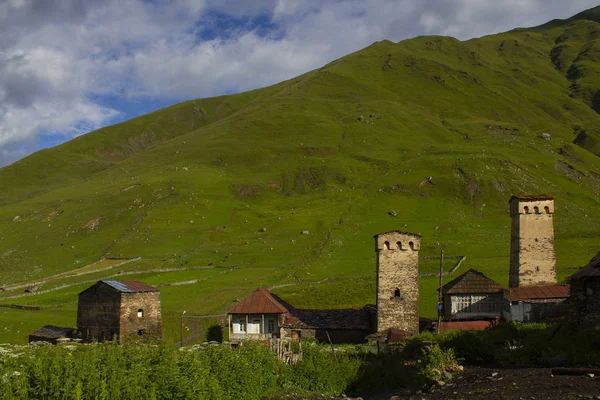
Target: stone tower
<point>397,281</point>
<point>532,256</point>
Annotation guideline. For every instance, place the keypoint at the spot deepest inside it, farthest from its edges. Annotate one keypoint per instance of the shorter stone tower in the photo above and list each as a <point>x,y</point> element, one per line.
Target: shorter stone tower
<point>532,256</point>
<point>397,281</point>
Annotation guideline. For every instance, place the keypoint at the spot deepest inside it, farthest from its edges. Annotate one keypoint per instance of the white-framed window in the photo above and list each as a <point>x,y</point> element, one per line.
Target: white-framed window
<point>140,313</point>
<point>242,326</point>
<point>476,303</point>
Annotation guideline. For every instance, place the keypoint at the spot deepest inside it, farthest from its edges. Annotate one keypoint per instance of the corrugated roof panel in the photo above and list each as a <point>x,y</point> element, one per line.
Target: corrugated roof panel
<point>539,292</point>
<point>131,286</point>
<point>259,302</point>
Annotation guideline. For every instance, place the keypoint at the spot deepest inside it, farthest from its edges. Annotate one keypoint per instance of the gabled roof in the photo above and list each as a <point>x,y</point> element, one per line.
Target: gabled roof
<point>531,197</point>
<point>472,281</point>
<point>400,232</point>
<point>539,292</point>
<point>261,301</point>
<point>130,286</point>
<point>590,270</point>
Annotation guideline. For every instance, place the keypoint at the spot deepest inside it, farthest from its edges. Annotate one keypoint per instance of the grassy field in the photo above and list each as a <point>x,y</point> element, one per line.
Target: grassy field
<point>441,131</point>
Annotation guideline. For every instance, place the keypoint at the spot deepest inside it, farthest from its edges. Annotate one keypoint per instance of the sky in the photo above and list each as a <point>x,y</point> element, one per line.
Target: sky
<point>68,67</point>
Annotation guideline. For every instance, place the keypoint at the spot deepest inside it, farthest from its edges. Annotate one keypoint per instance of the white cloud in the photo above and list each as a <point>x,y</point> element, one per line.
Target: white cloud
<point>57,56</point>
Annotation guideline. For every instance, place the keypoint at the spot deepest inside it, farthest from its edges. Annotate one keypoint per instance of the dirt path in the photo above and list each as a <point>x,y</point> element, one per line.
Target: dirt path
<point>508,384</point>
<point>494,384</point>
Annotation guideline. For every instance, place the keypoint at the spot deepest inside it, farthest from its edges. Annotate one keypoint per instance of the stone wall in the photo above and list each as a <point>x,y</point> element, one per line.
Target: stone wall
<point>140,317</point>
<point>397,281</point>
<point>584,303</point>
<point>532,255</point>
<point>337,336</point>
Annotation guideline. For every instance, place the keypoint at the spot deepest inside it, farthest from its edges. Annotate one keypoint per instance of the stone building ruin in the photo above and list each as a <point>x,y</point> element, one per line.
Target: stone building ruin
<point>397,281</point>
<point>532,255</point>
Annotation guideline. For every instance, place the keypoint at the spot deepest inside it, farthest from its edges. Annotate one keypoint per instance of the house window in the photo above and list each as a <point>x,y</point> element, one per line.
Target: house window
<point>242,326</point>
<point>475,303</point>
<point>140,313</point>
<point>270,326</point>
<point>141,332</point>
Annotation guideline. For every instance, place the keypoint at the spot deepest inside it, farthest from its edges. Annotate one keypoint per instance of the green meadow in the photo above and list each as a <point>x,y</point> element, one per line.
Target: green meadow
<point>212,196</point>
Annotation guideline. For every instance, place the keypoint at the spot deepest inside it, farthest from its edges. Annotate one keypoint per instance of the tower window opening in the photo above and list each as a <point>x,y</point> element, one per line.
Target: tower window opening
<point>411,245</point>
<point>140,313</point>
<point>547,210</point>
<point>387,245</point>
<point>399,244</point>
<point>536,210</point>
<point>537,268</point>
<point>526,209</point>
<point>397,293</point>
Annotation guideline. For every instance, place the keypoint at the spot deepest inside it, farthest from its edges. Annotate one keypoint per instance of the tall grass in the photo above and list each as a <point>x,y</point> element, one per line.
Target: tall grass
<point>143,371</point>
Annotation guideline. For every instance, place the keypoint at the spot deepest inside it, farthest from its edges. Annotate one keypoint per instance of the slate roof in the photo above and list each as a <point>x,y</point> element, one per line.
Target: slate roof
<point>472,282</point>
<point>539,292</point>
<point>531,197</point>
<point>346,318</point>
<point>130,286</point>
<point>53,332</point>
<point>590,270</point>
<point>401,232</point>
<point>261,301</point>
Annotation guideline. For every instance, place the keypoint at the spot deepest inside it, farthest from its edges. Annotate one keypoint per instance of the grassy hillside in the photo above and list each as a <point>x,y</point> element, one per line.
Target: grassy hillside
<point>441,131</point>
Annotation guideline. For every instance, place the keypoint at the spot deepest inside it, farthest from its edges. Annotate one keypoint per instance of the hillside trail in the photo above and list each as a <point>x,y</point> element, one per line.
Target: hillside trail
<point>224,270</point>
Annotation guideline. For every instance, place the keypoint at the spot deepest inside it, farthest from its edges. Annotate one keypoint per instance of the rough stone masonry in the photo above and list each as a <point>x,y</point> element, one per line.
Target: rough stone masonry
<point>532,255</point>
<point>397,281</point>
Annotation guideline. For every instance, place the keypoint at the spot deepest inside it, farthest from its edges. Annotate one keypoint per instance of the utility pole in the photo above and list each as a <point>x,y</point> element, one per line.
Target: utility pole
<point>181,329</point>
<point>440,296</point>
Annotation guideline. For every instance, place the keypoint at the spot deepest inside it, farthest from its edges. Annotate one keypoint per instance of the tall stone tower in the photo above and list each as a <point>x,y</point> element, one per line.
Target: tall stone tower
<point>397,281</point>
<point>532,256</point>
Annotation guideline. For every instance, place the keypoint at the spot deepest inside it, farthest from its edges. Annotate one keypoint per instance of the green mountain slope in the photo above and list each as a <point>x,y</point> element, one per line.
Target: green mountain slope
<point>442,132</point>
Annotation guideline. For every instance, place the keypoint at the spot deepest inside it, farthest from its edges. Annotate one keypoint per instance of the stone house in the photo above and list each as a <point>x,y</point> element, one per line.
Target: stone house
<point>584,304</point>
<point>397,281</point>
<point>535,303</point>
<point>125,310</point>
<point>258,316</point>
<point>262,316</point>
<point>350,325</point>
<point>472,296</point>
<point>52,334</point>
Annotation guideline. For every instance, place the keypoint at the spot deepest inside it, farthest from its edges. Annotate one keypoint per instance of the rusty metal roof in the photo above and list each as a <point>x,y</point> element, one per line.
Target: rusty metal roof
<point>590,270</point>
<point>531,197</point>
<point>472,282</point>
<point>465,325</point>
<point>259,302</point>
<point>539,292</point>
<point>130,286</point>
